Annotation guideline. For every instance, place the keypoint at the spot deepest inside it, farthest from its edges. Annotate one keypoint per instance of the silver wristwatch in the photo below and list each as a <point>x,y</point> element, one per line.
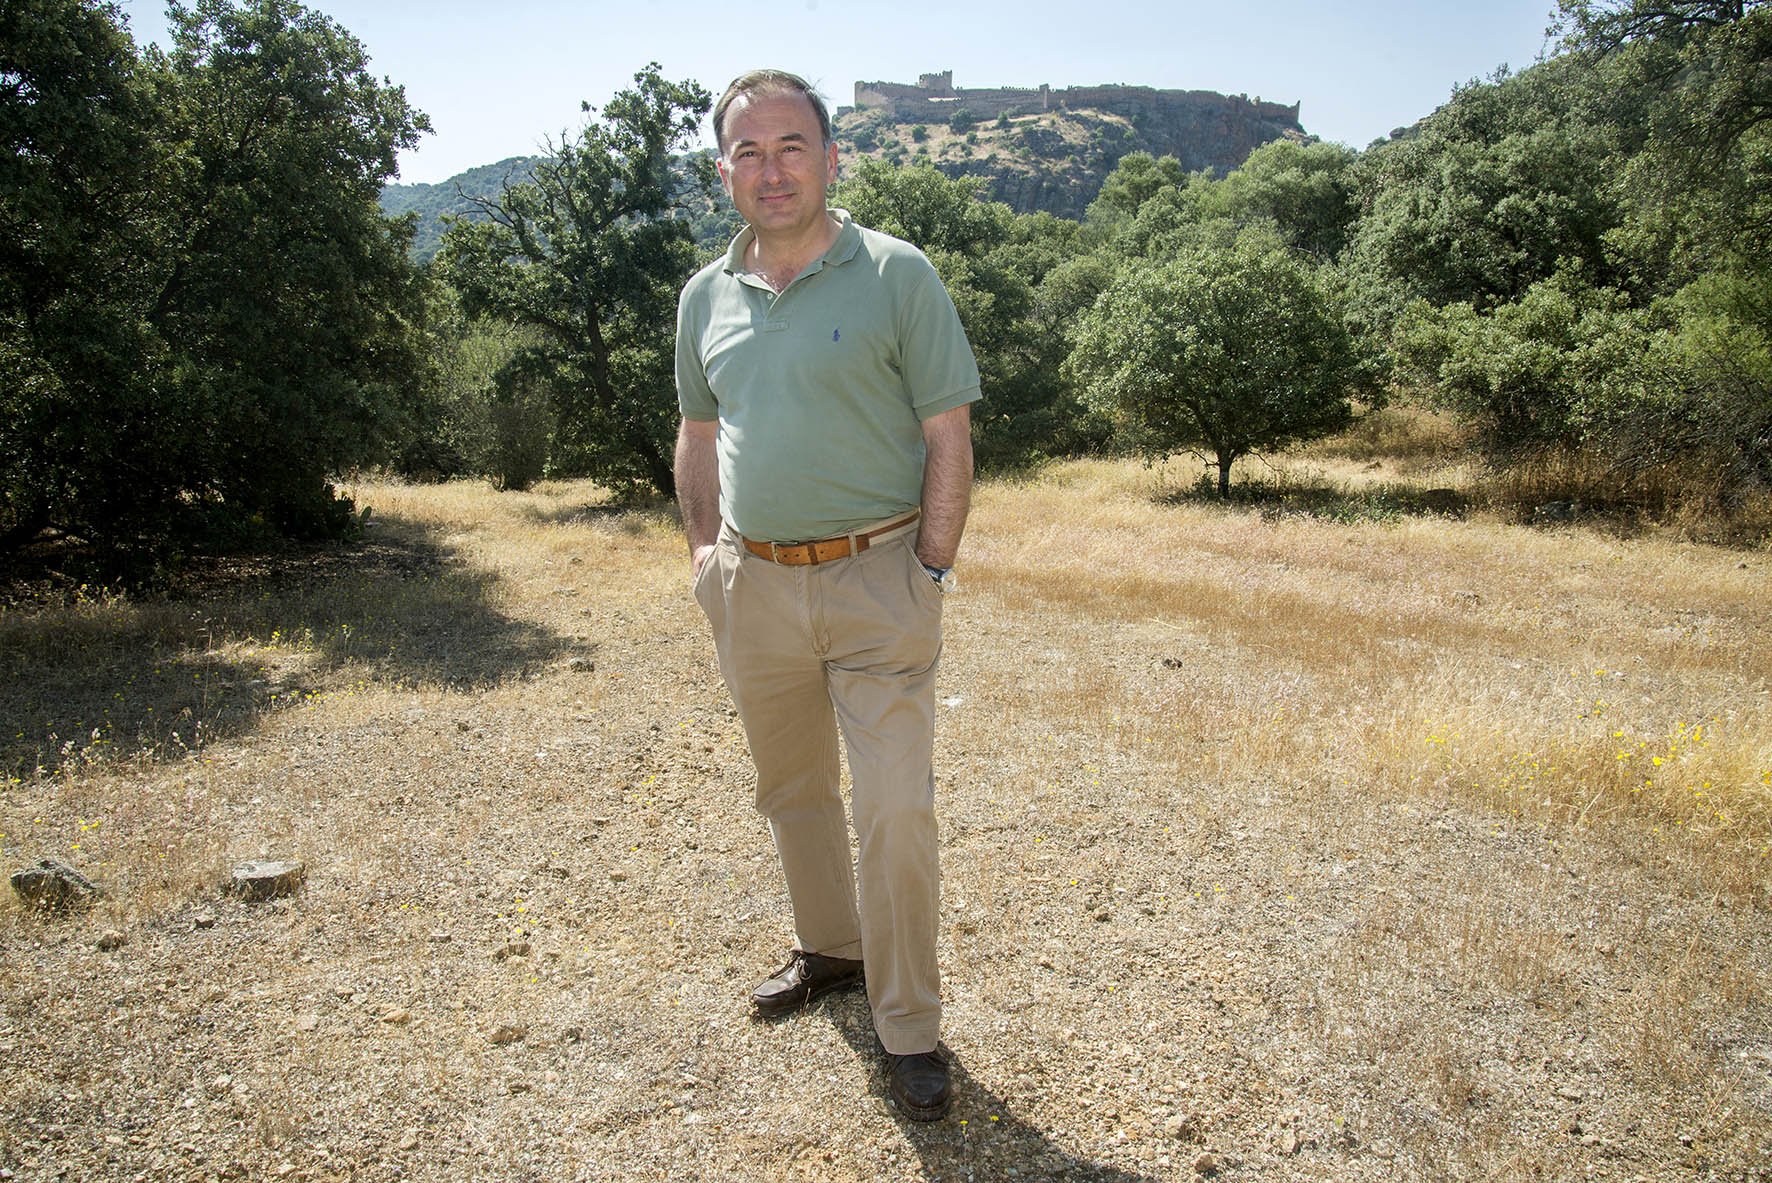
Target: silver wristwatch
<point>944,577</point>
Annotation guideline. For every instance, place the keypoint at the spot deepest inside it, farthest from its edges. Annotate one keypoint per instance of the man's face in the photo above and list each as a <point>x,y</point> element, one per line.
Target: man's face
<point>775,165</point>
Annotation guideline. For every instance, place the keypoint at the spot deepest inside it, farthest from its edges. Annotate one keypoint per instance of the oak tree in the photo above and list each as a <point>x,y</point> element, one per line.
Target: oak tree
<point>1231,351</point>
<point>591,254</point>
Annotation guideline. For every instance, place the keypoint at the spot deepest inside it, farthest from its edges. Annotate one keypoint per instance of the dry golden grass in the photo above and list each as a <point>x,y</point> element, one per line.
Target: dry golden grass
<point>1403,438</point>
<point>1339,844</point>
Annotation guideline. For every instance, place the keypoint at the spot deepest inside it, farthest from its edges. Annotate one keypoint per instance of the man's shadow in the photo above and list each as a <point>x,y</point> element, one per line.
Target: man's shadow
<point>980,1137</point>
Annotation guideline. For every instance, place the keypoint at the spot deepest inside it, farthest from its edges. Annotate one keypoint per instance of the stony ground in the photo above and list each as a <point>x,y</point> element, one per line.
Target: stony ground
<point>1204,915</point>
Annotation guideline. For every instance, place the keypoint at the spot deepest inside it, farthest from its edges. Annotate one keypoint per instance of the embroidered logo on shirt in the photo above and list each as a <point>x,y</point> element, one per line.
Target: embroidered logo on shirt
<point>836,334</point>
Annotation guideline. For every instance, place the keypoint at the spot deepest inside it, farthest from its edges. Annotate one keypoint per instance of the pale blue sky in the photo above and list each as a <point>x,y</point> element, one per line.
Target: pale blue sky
<point>496,78</point>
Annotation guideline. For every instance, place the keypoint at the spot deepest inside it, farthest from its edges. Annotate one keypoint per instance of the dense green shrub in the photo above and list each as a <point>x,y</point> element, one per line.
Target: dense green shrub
<point>204,314</point>
<point>1555,368</point>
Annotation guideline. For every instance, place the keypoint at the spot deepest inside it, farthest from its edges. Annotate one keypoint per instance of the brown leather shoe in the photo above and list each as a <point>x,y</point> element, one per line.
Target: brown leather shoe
<point>803,978</point>
<point>919,1084</point>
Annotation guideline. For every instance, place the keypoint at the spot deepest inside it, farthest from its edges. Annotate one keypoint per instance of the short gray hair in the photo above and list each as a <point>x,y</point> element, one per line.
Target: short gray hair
<point>755,82</point>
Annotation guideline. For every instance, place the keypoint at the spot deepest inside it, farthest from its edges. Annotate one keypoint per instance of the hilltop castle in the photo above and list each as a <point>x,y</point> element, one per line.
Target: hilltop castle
<point>935,98</point>
<point>1055,158</point>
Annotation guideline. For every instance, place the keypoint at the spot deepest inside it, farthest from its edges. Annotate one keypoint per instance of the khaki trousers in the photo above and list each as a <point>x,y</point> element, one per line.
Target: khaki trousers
<point>849,644</point>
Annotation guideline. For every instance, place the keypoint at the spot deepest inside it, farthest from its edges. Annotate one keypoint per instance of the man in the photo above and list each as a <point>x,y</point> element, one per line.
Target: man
<point>824,466</point>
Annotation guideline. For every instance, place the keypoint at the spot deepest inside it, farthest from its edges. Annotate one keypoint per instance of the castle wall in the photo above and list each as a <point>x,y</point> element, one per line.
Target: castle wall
<point>936,98</point>
<point>916,102</point>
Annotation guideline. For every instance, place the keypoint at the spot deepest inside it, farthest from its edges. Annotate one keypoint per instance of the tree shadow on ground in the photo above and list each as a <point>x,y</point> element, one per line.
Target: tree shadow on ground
<point>1279,499</point>
<point>981,1138</point>
<point>94,678</point>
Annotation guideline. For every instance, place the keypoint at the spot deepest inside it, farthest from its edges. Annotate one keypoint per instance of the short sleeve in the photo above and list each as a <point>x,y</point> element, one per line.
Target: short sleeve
<point>940,372</point>
<point>695,398</point>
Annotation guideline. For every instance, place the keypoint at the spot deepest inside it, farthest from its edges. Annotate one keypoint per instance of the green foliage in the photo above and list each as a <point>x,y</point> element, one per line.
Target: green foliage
<point>712,218</point>
<point>80,123</point>
<point>1153,208</point>
<point>292,292</point>
<point>430,205</point>
<point>924,208</point>
<point>991,262</point>
<point>204,313</point>
<point>472,425</point>
<point>1236,351</point>
<point>1698,185</point>
<point>1717,361</point>
<point>919,133</point>
<point>1572,369</point>
<point>962,121</point>
<point>1494,193</point>
<point>1575,258</point>
<point>1555,368</point>
<point>591,255</point>
<point>1135,180</point>
<point>1306,190</point>
<point>1705,61</point>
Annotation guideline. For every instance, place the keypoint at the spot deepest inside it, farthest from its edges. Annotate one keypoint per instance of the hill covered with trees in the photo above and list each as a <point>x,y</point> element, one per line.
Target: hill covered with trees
<point>1031,157</point>
<point>711,216</point>
<point>430,204</point>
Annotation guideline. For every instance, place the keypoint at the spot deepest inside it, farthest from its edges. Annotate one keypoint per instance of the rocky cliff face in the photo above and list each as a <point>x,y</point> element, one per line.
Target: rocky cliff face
<point>1047,150</point>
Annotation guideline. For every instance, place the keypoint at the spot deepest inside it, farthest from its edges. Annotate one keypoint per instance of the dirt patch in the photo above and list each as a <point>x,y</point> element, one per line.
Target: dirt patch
<point>1257,880</point>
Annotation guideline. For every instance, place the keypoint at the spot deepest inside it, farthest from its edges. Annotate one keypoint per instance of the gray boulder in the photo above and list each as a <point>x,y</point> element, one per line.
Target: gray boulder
<point>54,887</point>
<point>266,880</point>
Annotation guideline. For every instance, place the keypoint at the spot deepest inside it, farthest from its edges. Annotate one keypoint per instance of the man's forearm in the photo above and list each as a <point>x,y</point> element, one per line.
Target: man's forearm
<point>697,470</point>
<point>947,486</point>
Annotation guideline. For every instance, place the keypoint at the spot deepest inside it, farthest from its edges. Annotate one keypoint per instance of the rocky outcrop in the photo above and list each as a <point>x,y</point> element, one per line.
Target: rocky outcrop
<point>1201,128</point>
<point>54,887</point>
<point>1040,149</point>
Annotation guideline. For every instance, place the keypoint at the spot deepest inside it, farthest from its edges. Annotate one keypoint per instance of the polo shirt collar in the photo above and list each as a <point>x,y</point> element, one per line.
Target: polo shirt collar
<point>841,251</point>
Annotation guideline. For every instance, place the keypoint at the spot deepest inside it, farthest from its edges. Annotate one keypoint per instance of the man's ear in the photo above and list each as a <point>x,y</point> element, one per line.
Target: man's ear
<point>725,180</point>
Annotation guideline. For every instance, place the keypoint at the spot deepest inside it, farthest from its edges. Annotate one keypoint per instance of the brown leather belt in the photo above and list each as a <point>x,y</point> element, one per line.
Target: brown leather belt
<point>823,550</point>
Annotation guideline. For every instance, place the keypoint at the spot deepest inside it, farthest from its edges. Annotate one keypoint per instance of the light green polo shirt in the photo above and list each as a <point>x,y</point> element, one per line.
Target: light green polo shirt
<point>821,391</point>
